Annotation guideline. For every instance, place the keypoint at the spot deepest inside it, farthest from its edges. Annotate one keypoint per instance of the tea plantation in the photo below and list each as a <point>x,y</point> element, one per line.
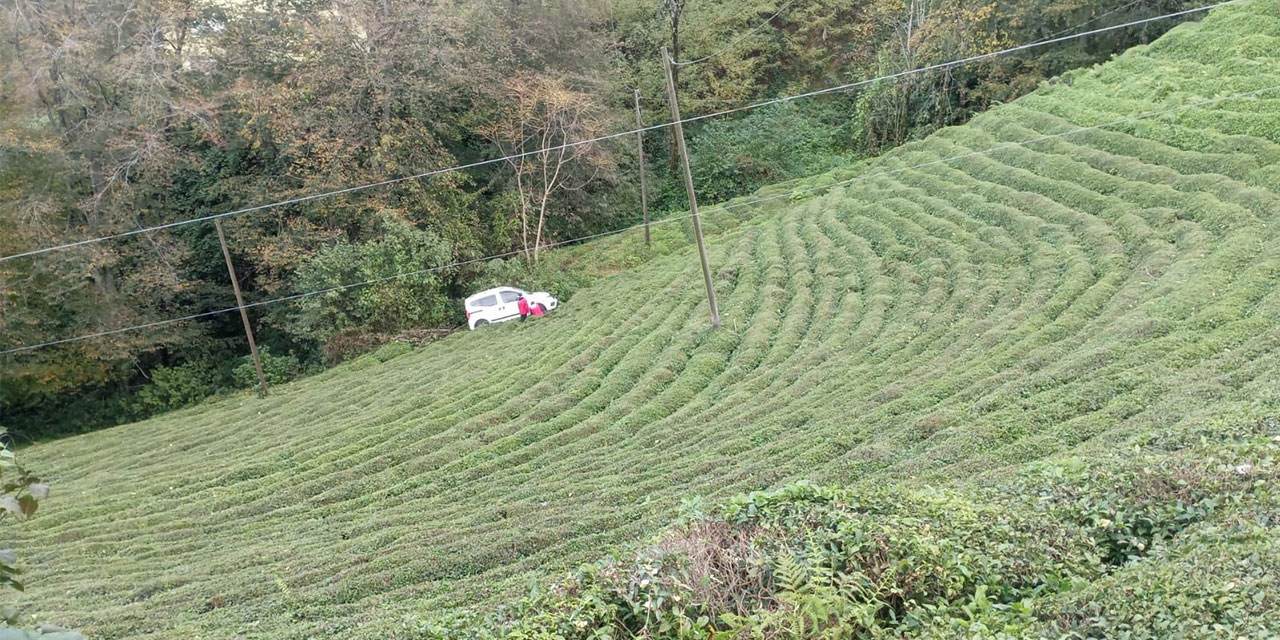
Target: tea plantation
<point>1044,377</point>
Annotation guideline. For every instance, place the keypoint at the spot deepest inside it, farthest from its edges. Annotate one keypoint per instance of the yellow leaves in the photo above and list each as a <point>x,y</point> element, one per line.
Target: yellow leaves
<point>29,140</point>
<point>979,14</point>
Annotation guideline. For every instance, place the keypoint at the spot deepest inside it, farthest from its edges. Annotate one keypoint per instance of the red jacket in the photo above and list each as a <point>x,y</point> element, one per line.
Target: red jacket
<point>524,306</point>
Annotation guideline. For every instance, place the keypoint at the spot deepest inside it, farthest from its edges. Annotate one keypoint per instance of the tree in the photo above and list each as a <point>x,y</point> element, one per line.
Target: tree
<point>356,93</point>
<point>95,99</point>
<point>543,134</point>
<point>921,33</point>
<point>406,271</point>
<point>673,10</point>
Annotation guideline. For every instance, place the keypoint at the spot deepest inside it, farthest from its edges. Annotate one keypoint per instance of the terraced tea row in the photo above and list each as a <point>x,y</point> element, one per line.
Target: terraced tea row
<point>953,310</point>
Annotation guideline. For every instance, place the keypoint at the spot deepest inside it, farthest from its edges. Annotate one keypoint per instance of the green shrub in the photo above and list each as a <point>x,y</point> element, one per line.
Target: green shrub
<point>1020,559</point>
<point>277,369</point>
<point>1131,505</point>
<point>807,561</point>
<point>177,387</point>
<point>404,266</point>
<point>735,157</point>
<point>1220,582</point>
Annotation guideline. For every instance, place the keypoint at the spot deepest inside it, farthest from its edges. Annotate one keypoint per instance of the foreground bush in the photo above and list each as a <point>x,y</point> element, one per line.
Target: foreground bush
<point>808,562</point>
<point>1023,560</point>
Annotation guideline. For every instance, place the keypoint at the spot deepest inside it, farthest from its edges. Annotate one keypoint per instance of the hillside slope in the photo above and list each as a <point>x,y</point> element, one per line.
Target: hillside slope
<point>931,321</point>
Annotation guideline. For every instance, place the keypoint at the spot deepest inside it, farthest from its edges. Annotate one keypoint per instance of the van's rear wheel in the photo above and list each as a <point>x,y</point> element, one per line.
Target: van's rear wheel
<point>481,323</point>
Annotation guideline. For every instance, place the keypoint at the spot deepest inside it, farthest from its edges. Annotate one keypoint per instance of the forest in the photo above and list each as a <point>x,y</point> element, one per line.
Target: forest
<point>124,114</point>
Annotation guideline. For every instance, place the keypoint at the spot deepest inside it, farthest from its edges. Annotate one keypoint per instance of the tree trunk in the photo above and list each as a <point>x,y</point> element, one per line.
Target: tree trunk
<point>542,216</point>
<point>673,164</point>
<point>524,212</point>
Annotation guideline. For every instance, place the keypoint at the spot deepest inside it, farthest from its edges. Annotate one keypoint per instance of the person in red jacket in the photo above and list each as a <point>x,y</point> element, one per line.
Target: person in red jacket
<point>523,304</point>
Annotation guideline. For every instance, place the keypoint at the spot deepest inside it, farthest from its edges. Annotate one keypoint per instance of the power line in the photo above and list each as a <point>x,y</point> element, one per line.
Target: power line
<point>481,163</point>
<point>309,294</point>
<point>1095,19</point>
<point>737,41</point>
<point>1040,41</point>
<point>959,62</point>
<point>1004,145</point>
<point>726,207</point>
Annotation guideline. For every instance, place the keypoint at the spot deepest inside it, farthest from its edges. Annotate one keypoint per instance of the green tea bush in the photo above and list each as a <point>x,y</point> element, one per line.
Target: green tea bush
<point>807,561</point>
<point>385,353</point>
<point>1220,582</point>
<point>391,350</point>
<point>1132,505</point>
<point>1201,517</point>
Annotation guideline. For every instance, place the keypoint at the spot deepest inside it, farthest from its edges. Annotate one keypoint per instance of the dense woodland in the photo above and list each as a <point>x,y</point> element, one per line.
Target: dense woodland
<point>122,114</point>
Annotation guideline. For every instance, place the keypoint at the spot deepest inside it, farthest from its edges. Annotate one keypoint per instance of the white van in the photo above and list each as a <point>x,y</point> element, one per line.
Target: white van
<point>502,304</point>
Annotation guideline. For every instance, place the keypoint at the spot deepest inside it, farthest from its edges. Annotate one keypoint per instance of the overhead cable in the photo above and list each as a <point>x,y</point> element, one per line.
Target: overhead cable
<point>1095,19</point>
<point>710,211</point>
<point>481,163</point>
<point>344,287</point>
<point>737,41</point>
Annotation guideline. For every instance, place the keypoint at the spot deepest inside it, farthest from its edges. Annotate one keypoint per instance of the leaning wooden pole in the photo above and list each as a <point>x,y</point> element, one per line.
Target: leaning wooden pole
<point>644,188</point>
<point>244,315</point>
<point>678,133</point>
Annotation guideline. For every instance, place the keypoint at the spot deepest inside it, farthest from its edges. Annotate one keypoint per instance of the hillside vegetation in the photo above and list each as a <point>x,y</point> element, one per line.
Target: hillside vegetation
<point>173,111</point>
<point>1055,361</point>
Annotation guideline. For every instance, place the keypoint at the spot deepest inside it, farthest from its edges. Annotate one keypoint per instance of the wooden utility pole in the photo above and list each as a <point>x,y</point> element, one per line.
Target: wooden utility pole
<point>678,134</point>
<point>644,190</point>
<point>244,315</point>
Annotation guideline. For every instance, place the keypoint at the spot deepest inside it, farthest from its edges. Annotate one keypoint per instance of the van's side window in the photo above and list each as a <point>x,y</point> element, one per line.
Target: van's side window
<point>487,301</point>
<point>510,296</point>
